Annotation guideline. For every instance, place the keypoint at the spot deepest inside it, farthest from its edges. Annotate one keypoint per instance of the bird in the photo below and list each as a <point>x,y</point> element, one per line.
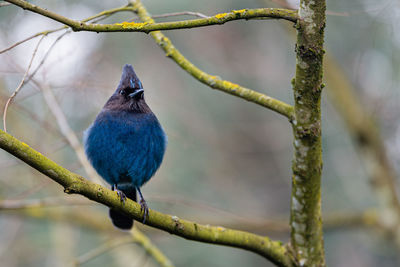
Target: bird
<point>126,144</point>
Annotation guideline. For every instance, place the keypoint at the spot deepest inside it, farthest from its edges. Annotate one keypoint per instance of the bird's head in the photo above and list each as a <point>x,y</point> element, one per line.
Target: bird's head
<point>129,95</point>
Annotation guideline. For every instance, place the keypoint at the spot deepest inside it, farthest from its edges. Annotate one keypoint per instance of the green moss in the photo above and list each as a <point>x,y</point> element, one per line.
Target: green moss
<point>306,228</point>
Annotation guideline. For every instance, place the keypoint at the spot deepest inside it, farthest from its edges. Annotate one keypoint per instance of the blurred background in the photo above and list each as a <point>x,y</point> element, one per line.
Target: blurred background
<point>228,161</point>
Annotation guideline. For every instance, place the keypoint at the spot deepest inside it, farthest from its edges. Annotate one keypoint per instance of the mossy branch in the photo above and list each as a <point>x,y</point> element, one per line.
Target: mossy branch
<point>245,14</point>
<point>75,184</point>
<point>305,219</point>
<point>153,251</point>
<point>210,80</point>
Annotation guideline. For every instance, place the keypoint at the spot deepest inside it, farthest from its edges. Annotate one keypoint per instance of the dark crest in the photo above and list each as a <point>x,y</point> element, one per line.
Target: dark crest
<point>129,95</point>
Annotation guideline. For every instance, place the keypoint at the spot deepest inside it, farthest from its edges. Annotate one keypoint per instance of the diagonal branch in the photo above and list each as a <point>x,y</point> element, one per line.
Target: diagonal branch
<point>75,184</point>
<point>212,81</point>
<point>246,14</point>
<point>142,240</point>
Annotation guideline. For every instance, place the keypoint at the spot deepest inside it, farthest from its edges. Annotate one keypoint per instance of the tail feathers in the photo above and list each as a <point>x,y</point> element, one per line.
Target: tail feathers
<point>120,220</point>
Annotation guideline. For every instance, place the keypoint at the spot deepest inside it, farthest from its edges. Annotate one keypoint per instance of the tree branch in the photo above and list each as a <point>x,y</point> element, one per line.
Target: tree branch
<point>75,184</point>
<point>150,249</point>
<point>212,81</point>
<point>273,13</point>
<point>305,219</point>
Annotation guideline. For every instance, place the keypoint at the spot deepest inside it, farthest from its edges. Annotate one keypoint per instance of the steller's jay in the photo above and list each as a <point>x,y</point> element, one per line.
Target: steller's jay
<point>126,143</point>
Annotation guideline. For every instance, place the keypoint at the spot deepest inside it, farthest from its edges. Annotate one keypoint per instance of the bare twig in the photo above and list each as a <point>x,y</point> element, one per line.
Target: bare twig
<point>183,13</point>
<point>23,110</point>
<point>16,91</point>
<point>47,54</point>
<point>25,40</point>
<point>26,80</point>
<point>102,15</point>
<point>65,129</point>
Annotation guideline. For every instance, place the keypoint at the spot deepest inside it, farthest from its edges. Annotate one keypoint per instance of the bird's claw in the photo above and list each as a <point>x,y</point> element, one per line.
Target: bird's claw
<point>145,209</point>
<point>120,194</point>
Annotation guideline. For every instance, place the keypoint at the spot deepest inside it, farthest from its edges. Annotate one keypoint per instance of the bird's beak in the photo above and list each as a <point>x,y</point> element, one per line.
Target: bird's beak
<point>137,92</point>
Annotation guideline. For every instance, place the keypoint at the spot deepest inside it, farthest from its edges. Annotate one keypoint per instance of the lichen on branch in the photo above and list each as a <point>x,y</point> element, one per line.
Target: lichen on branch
<point>76,184</point>
<point>246,14</point>
<point>211,80</point>
<point>305,220</point>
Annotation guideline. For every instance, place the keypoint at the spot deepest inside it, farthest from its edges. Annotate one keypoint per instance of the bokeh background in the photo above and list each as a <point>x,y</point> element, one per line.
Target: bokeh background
<point>228,161</point>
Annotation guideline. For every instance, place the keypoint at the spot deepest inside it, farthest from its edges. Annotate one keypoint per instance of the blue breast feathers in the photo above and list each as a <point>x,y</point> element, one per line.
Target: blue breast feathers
<point>125,147</point>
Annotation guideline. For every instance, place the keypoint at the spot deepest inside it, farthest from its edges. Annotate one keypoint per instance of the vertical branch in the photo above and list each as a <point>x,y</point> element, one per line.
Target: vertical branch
<point>306,225</point>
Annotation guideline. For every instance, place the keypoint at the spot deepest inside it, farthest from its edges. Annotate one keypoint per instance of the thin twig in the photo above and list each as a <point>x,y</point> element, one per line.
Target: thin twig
<point>47,54</point>
<point>23,110</point>
<point>65,129</point>
<point>16,91</point>
<point>102,15</point>
<point>62,122</point>
<point>183,13</point>
<point>24,80</point>
<point>23,41</point>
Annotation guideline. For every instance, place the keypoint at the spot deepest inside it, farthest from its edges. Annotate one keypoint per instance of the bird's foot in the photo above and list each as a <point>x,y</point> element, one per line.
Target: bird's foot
<point>144,208</point>
<point>120,194</point>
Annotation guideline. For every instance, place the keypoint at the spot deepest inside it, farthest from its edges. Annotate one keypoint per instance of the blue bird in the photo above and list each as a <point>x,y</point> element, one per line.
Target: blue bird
<point>126,143</point>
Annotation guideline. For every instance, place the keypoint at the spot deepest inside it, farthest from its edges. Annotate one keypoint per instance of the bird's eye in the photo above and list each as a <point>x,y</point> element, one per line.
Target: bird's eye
<point>122,92</point>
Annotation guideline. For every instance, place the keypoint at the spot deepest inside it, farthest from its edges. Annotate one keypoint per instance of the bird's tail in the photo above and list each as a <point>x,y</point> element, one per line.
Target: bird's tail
<point>118,219</point>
